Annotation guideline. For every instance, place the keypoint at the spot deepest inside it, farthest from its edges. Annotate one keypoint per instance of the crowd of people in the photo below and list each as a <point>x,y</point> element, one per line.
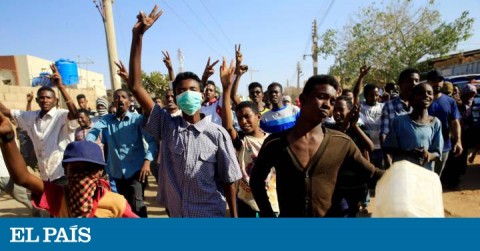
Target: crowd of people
<point>266,157</point>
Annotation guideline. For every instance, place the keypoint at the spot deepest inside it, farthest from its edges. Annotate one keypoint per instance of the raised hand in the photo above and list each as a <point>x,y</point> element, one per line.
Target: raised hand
<point>30,96</point>
<point>364,70</point>
<point>55,76</point>
<point>354,115</point>
<point>144,22</point>
<point>238,55</point>
<point>226,74</point>
<point>239,68</point>
<point>5,125</point>
<point>122,71</point>
<point>166,60</point>
<point>209,71</point>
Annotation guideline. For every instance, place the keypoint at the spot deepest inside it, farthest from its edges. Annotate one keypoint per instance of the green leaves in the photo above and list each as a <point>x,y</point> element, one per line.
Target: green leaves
<point>393,37</point>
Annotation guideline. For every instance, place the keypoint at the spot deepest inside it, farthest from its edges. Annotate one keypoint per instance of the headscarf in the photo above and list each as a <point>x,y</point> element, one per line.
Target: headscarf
<point>104,103</point>
<point>83,191</point>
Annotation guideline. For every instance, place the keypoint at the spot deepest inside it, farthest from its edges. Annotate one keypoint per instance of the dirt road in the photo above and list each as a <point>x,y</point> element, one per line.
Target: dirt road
<point>462,203</point>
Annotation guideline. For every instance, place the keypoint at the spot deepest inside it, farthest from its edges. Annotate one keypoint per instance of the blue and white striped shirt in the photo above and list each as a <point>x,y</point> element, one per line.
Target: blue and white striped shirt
<point>278,120</point>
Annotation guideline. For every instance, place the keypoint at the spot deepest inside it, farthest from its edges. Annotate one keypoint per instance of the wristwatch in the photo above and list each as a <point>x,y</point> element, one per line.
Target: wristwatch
<point>7,138</point>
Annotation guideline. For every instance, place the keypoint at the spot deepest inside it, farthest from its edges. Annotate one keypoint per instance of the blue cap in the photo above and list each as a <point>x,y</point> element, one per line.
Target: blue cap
<point>83,151</point>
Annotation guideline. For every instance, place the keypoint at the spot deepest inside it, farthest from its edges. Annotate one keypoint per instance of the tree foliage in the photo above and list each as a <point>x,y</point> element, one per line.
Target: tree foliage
<point>155,83</point>
<point>395,36</point>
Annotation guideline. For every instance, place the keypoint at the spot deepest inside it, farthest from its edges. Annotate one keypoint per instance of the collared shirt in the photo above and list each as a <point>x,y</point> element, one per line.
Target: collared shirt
<point>124,140</point>
<point>50,136</point>
<point>196,159</point>
<point>392,109</point>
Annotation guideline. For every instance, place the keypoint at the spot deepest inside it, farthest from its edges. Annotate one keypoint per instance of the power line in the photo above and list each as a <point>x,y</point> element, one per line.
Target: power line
<point>205,26</point>
<point>191,29</point>
<point>326,13</point>
<point>215,21</point>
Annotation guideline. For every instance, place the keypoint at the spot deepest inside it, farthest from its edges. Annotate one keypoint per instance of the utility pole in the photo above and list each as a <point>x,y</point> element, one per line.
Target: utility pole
<point>315,47</point>
<point>180,61</point>
<point>251,70</point>
<point>299,73</point>
<point>106,12</point>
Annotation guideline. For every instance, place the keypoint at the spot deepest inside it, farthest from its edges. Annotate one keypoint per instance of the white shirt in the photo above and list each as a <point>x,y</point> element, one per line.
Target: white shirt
<point>3,167</point>
<point>371,116</point>
<point>213,111</point>
<point>50,136</point>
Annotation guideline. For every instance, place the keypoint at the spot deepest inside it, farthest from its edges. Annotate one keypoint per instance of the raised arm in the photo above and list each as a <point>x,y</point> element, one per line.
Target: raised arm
<point>359,84</point>
<point>366,141</point>
<point>5,111</point>
<point>226,75</point>
<point>122,71</point>
<point>239,71</point>
<point>57,81</point>
<point>209,71</point>
<point>14,161</point>
<point>29,101</point>
<point>168,63</point>
<point>144,22</point>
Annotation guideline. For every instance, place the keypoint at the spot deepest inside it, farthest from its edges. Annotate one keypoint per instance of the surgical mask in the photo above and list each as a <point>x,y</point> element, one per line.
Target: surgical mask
<point>189,102</point>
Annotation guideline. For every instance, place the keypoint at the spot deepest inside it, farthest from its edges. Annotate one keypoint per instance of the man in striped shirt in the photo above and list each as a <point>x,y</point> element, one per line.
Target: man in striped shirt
<point>281,117</point>
<point>198,163</point>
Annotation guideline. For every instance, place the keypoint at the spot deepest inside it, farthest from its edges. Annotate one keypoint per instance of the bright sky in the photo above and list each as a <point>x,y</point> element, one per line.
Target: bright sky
<point>274,34</point>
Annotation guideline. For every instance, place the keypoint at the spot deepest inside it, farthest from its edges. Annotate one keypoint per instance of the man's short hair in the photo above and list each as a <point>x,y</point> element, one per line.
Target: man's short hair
<point>183,76</point>
<point>46,88</point>
<point>345,91</point>
<point>368,88</point>
<point>248,104</point>
<point>84,111</point>
<point>275,84</point>
<point>80,96</point>
<point>406,73</point>
<point>210,82</point>
<point>347,100</point>
<point>319,80</point>
<point>254,85</point>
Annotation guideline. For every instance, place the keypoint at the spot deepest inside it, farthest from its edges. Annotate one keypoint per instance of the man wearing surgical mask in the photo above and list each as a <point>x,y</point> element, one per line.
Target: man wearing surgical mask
<point>198,165</point>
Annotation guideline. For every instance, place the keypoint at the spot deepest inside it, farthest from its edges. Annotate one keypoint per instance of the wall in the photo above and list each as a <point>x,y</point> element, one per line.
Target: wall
<point>15,97</point>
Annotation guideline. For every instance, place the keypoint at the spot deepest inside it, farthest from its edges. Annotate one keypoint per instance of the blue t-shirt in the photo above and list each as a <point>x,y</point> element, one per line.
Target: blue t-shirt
<point>445,109</point>
<point>278,120</point>
<point>407,134</point>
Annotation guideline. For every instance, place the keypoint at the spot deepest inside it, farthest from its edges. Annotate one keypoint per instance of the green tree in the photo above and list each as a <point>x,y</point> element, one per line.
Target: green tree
<point>393,37</point>
<point>155,83</point>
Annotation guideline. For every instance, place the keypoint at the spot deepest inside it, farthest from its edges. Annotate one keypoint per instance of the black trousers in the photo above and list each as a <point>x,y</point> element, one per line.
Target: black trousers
<point>133,190</point>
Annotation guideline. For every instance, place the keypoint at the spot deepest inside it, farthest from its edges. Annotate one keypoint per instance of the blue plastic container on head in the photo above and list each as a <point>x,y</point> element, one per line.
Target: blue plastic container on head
<point>68,70</point>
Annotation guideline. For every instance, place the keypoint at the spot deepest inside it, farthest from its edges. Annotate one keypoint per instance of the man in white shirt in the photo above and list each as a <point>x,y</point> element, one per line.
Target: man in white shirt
<point>50,129</point>
<point>370,114</point>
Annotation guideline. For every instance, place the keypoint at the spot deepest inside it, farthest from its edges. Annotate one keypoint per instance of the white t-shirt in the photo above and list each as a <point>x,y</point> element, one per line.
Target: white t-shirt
<point>213,111</point>
<point>371,117</point>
